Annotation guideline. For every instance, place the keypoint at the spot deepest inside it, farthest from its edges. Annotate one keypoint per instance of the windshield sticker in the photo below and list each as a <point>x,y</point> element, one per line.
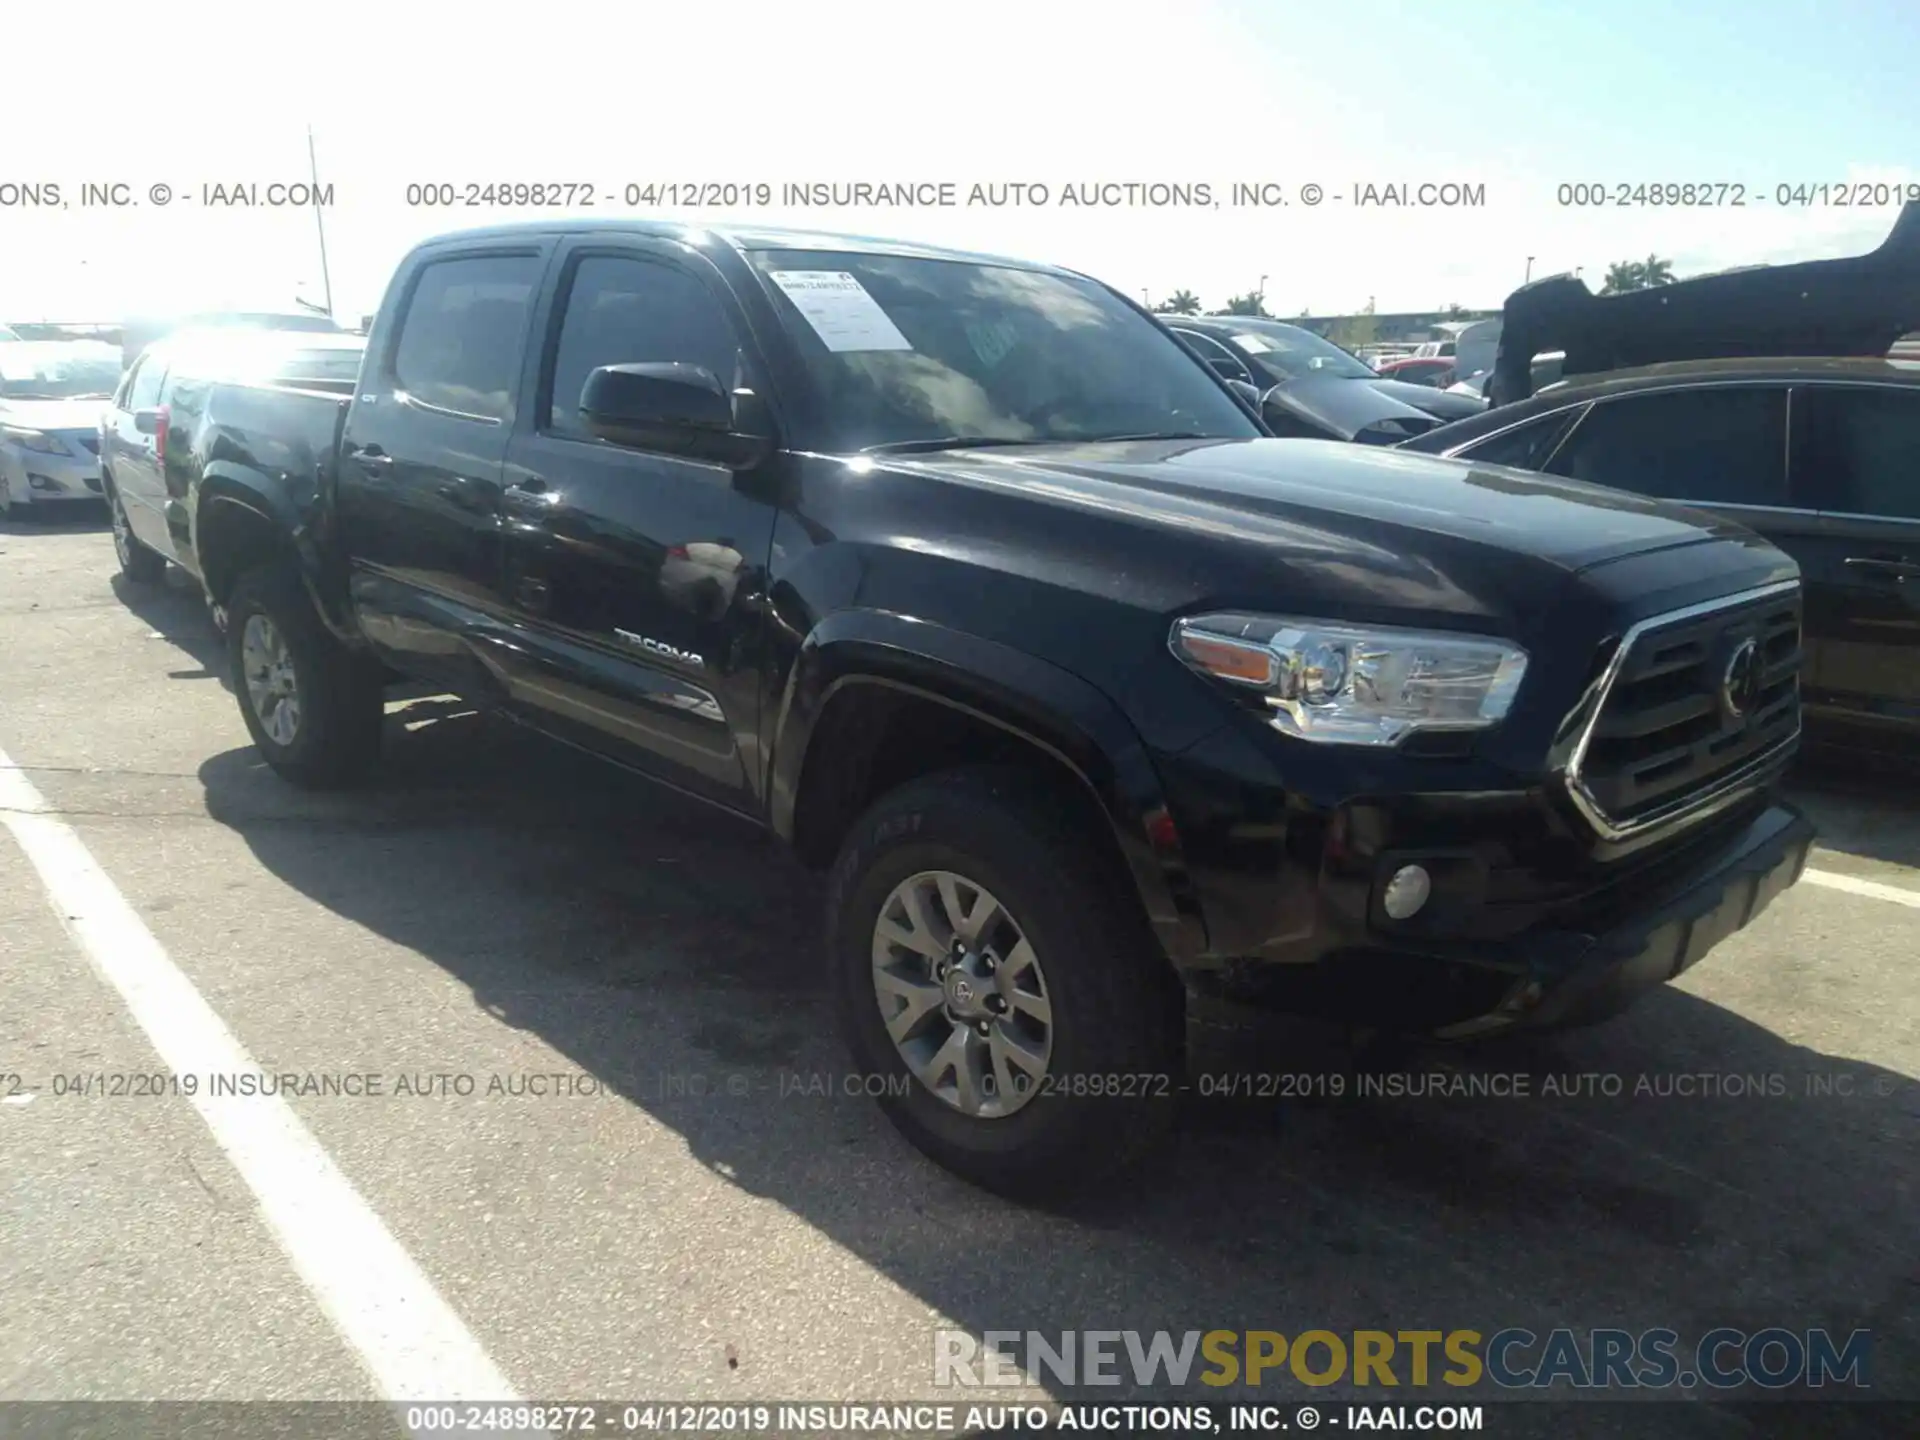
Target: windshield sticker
<point>840,310</point>
<point>992,339</point>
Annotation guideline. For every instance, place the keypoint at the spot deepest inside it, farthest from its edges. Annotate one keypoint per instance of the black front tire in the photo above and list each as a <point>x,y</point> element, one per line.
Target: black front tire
<point>139,564</point>
<point>337,739</point>
<point>1109,1096</point>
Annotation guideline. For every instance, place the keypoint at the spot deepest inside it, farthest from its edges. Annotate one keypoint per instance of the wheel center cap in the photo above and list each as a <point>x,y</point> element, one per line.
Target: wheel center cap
<point>965,994</point>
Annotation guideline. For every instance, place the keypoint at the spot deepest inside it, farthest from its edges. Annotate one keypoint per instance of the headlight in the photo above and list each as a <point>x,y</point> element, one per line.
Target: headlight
<point>1356,685</point>
<point>33,440</point>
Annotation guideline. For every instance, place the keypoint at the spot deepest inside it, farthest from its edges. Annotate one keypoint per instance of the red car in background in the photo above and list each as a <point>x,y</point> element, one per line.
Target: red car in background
<point>1434,370</point>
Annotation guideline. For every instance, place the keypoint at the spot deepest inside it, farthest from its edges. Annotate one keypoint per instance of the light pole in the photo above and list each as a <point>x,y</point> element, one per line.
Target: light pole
<point>320,225</point>
<point>1529,275</point>
<point>1145,299</point>
<point>1260,296</point>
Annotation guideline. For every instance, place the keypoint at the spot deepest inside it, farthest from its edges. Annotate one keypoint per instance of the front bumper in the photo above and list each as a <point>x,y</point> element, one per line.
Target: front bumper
<point>1589,962</point>
<point>1578,976</point>
<point>35,477</point>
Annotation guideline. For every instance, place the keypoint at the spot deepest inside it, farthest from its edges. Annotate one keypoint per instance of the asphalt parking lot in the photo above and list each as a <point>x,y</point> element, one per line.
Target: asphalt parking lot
<point>692,1217</point>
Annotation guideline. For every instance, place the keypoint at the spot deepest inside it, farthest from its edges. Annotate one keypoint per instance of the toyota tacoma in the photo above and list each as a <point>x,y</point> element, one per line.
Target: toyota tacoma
<point>971,582</point>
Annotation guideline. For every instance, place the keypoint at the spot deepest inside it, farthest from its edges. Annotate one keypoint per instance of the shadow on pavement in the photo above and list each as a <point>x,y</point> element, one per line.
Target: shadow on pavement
<point>644,937</point>
<point>174,607</point>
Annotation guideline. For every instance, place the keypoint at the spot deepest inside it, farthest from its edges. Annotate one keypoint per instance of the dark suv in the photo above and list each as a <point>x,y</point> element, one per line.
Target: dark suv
<point>1821,456</point>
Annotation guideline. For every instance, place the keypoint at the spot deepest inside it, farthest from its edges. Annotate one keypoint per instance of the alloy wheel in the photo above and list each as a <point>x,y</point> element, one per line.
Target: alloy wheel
<point>962,994</point>
<point>273,687</point>
<point>122,536</point>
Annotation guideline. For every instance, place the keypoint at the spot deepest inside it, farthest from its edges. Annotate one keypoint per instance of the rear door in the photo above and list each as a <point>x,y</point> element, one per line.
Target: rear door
<point>133,458</point>
<point>418,488</point>
<point>636,577</point>
<point>1856,457</point>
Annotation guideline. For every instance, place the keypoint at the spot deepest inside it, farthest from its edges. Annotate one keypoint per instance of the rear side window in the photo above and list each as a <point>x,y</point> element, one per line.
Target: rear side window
<point>623,311</point>
<point>1857,451</point>
<point>462,335</point>
<point>1705,447</point>
<point>1526,447</point>
<point>144,392</point>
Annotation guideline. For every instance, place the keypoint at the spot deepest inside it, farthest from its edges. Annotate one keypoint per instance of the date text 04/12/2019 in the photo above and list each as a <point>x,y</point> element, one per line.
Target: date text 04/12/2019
<point>1737,195</point>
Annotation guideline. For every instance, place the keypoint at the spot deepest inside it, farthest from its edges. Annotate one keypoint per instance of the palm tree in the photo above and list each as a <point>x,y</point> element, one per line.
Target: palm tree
<point>1623,275</point>
<point>1252,303</point>
<point>1181,302</point>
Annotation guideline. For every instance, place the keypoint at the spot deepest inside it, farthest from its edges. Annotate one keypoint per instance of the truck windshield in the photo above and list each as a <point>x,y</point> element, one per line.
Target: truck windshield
<point>908,350</point>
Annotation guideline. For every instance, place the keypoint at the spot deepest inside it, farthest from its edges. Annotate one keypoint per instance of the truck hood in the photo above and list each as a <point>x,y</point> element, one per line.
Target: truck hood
<point>1344,408</point>
<point>1858,306</point>
<point>1356,525</point>
<point>53,414</point>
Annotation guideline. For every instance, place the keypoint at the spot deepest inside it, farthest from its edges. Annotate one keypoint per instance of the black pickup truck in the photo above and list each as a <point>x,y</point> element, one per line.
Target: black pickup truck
<point>968,580</point>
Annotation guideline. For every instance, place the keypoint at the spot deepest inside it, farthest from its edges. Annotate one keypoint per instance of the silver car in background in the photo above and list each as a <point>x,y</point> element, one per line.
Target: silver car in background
<point>52,393</point>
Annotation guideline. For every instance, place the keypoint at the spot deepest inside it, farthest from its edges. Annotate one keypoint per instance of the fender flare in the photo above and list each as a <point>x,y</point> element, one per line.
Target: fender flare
<point>221,485</point>
<point>1035,701</point>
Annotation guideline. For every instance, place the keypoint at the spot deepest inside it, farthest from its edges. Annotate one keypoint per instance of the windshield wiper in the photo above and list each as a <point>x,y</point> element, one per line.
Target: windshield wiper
<point>1145,435</point>
<point>944,442</point>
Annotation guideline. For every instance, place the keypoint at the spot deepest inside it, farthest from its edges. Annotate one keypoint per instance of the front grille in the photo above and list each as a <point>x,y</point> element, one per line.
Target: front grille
<point>1675,720</point>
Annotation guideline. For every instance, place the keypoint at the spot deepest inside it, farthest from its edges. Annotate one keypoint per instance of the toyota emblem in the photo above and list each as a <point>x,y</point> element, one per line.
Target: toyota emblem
<point>1740,686</point>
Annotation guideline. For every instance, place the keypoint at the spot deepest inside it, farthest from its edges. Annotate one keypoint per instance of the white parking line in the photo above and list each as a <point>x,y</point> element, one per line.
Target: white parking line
<point>1854,885</point>
<point>383,1304</point>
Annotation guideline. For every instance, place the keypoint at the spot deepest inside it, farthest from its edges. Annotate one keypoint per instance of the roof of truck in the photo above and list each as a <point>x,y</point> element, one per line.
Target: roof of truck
<point>740,237</point>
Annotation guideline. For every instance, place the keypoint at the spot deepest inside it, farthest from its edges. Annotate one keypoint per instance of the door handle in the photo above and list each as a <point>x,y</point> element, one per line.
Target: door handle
<point>1878,565</point>
<point>372,459</point>
<point>529,496</point>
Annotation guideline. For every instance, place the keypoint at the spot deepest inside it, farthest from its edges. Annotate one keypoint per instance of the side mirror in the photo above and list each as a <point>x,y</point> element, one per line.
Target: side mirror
<point>671,408</point>
<point>147,422</point>
<point>1245,391</point>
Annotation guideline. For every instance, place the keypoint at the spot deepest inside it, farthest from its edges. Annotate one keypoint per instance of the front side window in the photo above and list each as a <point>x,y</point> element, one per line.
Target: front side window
<point>911,350</point>
<point>623,311</point>
<point>1701,446</point>
<point>462,335</point>
<point>1525,447</point>
<point>1857,450</point>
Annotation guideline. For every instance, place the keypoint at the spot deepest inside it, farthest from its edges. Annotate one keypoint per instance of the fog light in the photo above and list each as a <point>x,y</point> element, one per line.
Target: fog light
<point>1407,891</point>
<point>42,482</point>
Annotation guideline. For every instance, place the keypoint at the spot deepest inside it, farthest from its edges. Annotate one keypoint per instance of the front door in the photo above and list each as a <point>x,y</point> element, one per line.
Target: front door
<point>1856,456</point>
<point>419,470</point>
<point>636,578</point>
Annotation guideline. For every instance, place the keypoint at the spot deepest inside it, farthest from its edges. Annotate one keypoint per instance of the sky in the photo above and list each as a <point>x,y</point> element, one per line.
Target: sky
<point>1518,100</point>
